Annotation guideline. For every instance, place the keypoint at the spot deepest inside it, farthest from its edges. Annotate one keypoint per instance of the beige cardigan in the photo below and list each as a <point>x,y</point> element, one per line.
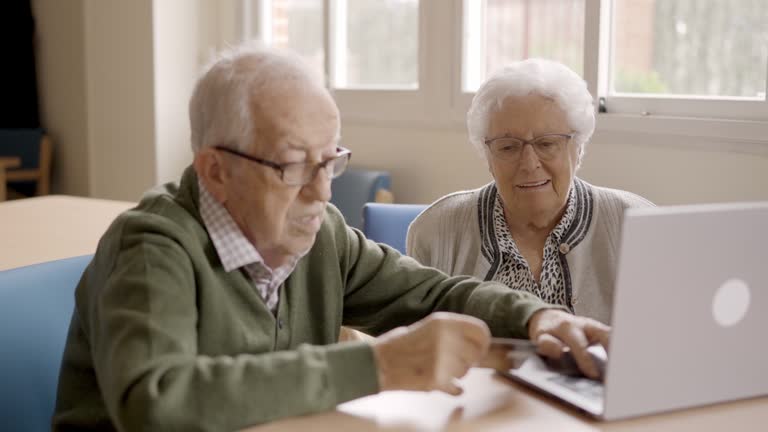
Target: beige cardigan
<point>447,235</point>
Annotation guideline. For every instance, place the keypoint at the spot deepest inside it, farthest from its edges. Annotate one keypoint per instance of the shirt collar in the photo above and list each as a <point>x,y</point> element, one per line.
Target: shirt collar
<point>567,219</point>
<point>233,248</point>
<point>502,230</point>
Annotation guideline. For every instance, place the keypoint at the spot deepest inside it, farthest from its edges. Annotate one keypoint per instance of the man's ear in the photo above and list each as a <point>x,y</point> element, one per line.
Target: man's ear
<point>210,169</point>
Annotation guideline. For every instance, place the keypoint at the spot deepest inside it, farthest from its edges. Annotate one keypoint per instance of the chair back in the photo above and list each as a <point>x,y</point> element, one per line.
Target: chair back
<point>36,304</point>
<point>354,188</point>
<point>33,147</point>
<point>388,223</point>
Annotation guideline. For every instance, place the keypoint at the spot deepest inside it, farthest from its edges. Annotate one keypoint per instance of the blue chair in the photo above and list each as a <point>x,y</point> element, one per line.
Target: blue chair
<point>356,187</point>
<point>36,304</point>
<point>388,223</point>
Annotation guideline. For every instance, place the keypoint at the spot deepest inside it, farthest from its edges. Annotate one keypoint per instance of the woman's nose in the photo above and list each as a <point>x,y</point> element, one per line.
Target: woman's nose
<point>528,157</point>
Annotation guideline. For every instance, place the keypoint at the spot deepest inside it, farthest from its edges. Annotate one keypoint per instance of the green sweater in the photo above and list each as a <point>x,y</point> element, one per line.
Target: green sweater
<point>163,339</point>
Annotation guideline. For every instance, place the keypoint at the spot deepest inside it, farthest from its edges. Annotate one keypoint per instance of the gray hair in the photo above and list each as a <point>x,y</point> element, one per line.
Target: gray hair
<point>220,110</point>
<point>543,77</point>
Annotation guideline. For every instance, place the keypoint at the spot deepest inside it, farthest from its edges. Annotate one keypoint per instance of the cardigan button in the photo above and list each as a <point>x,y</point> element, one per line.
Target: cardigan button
<point>280,323</point>
<point>565,248</point>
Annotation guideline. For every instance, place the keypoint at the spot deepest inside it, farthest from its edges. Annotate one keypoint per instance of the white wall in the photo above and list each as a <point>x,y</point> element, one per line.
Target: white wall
<point>177,35</point>
<point>120,97</point>
<point>115,77</point>
<point>95,73</point>
<point>426,164</point>
<point>60,44</point>
<point>186,35</point>
<point>669,173</point>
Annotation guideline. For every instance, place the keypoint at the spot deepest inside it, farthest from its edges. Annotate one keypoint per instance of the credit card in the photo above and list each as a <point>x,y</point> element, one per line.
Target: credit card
<point>514,344</point>
<point>515,351</point>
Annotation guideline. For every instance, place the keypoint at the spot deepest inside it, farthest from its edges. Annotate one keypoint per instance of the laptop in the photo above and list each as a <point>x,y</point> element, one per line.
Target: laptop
<point>690,315</point>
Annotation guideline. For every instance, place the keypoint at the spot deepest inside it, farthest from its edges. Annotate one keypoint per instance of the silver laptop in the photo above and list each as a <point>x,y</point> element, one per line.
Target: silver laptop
<point>690,315</point>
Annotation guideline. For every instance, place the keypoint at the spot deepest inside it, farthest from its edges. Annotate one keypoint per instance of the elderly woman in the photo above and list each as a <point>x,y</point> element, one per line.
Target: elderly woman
<point>537,227</point>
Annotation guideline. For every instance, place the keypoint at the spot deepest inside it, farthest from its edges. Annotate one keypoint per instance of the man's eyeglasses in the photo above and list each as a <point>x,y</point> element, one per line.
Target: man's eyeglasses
<point>301,173</point>
<point>547,147</point>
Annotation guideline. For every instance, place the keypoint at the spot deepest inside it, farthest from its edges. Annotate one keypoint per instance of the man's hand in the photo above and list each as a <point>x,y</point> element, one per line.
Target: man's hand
<point>553,330</point>
<point>431,353</point>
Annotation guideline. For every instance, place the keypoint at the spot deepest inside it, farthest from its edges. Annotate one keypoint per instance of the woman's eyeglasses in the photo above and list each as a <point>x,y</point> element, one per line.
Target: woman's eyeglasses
<point>547,146</point>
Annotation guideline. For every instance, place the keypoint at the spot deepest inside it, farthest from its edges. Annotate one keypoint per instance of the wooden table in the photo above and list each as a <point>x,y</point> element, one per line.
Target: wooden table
<point>35,230</point>
<point>5,163</point>
<point>493,403</point>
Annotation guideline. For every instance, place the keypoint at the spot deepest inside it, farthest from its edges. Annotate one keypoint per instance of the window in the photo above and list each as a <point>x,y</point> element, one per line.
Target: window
<point>501,31</point>
<point>709,48</point>
<point>297,25</point>
<point>376,44</point>
<point>686,58</point>
<point>372,44</point>
<point>646,60</point>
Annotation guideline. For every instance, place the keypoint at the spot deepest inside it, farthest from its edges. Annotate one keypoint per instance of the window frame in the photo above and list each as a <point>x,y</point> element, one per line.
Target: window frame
<point>712,107</point>
<point>704,123</point>
<point>355,103</point>
<point>440,102</point>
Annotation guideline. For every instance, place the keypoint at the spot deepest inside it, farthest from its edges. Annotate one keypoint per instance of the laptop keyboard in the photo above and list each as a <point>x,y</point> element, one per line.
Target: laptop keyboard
<point>590,389</point>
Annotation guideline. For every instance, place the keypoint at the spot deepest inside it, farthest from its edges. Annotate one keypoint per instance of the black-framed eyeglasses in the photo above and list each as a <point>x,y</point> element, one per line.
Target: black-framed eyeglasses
<point>301,173</point>
<point>547,146</point>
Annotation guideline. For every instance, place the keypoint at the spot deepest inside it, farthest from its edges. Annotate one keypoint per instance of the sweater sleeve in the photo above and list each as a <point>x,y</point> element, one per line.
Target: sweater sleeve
<point>385,289</point>
<point>418,241</point>
<point>141,327</point>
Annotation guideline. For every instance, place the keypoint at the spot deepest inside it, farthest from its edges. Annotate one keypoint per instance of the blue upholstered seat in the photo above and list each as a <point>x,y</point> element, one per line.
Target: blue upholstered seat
<point>36,304</point>
<point>354,188</point>
<point>388,223</point>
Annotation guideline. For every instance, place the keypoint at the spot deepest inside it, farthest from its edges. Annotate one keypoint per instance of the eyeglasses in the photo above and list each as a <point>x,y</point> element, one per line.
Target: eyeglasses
<point>547,146</point>
<point>301,173</point>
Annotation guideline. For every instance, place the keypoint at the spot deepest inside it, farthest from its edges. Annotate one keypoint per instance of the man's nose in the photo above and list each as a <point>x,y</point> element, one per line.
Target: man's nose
<point>319,188</point>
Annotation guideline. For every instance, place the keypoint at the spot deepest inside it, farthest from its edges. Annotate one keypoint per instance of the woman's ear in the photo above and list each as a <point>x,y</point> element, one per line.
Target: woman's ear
<point>490,167</point>
<point>576,157</point>
<point>210,169</point>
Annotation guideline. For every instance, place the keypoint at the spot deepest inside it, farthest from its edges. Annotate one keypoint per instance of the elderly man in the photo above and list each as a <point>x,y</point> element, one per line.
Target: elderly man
<point>216,303</point>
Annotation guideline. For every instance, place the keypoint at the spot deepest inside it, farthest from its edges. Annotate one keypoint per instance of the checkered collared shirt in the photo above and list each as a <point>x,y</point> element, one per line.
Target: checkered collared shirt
<point>235,251</point>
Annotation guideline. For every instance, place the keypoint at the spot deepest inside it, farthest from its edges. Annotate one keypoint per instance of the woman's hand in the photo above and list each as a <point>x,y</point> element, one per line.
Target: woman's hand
<point>553,330</point>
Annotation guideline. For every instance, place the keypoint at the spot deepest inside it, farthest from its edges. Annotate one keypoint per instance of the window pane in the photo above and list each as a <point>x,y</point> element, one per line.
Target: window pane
<point>376,43</point>
<point>497,32</point>
<point>298,25</point>
<point>691,47</point>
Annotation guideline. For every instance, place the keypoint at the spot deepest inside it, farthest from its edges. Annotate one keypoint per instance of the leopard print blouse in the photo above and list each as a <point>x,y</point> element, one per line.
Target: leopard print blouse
<point>508,264</point>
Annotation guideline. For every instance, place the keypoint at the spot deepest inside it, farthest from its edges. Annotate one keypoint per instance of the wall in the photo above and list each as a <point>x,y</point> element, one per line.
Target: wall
<point>115,77</point>
<point>667,173</point>
<point>96,79</point>
<point>60,43</point>
<point>120,97</point>
<point>177,35</point>
<point>426,164</point>
<point>186,35</point>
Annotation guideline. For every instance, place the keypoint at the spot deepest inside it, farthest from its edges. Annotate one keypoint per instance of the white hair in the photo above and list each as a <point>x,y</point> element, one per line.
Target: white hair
<point>547,78</point>
<point>220,110</point>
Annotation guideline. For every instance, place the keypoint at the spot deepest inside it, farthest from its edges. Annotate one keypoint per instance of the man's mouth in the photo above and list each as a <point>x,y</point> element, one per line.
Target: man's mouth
<point>310,223</point>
